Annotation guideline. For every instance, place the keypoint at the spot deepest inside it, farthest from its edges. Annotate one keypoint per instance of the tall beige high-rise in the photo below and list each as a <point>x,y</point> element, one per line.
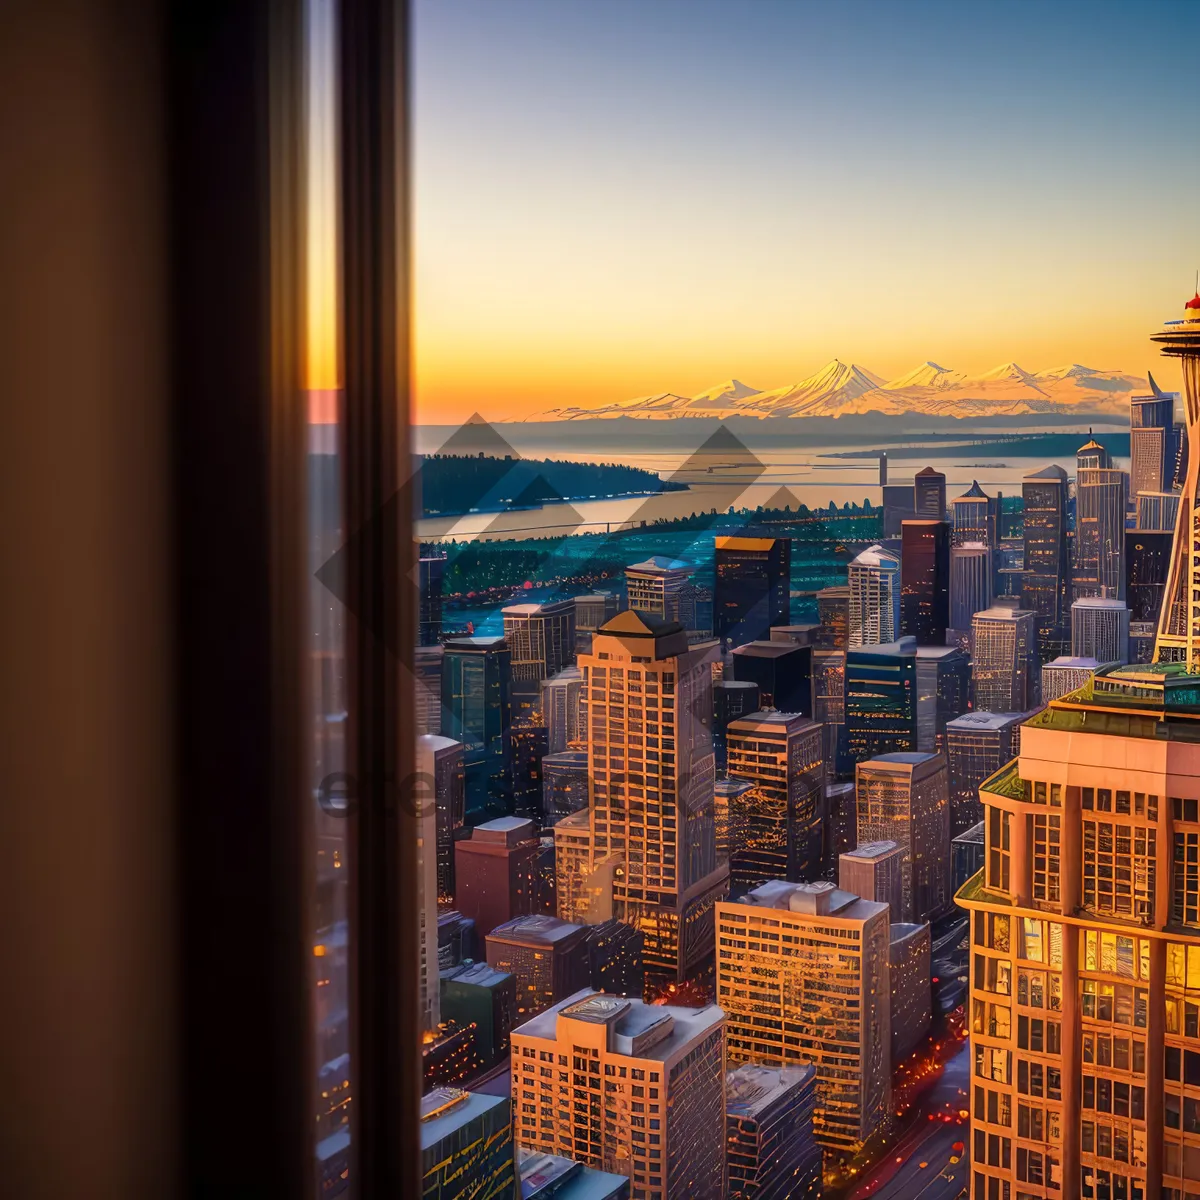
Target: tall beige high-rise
<point>1179,622</point>
<point>1085,948</point>
<point>650,777</point>
<point>627,1087</point>
<point>802,974</point>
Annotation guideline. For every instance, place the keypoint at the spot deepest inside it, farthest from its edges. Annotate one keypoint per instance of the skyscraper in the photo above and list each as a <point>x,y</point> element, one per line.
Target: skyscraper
<point>905,798</point>
<point>732,699</point>
<point>874,871</point>
<point>925,581</point>
<point>541,642</point>
<point>1147,561</point>
<point>662,588</point>
<point>564,784</point>
<point>898,506</point>
<point>970,582</point>
<point>547,958</point>
<point>476,711</point>
<point>929,495</point>
<point>821,996</point>
<point>943,692</point>
<point>1157,512</point>
<point>496,872</point>
<point>1045,573</point>
<point>829,707</point>
<point>1101,502</point>
<point>440,768</point>
<point>881,700</point>
<point>753,587</point>
<point>592,610</point>
<point>427,688</point>
<point>652,794</point>
<point>1084,930</point>
<point>1004,668</point>
<point>1066,674</point>
<point>769,1133</point>
<point>586,1065</point>
<point>909,954</point>
<point>1100,629</point>
<point>973,517</point>
<point>467,1145</point>
<point>430,572</point>
<point>782,671</point>
<point>528,750</point>
<point>562,709</point>
<point>426,812</point>
<point>1151,425</point>
<point>1179,625</point>
<point>833,617</point>
<point>978,744</point>
<point>874,613</point>
<point>775,830</point>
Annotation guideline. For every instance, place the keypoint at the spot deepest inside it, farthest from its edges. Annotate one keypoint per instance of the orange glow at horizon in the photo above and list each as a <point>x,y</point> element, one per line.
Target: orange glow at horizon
<point>322,281</point>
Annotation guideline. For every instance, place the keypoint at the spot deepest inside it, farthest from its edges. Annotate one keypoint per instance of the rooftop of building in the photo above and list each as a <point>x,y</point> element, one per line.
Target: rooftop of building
<point>1076,662</point>
<point>1002,612</point>
<point>927,471</point>
<point>1090,447</point>
<point>478,642</point>
<point>974,836</point>
<point>565,758</point>
<point>751,1089</point>
<point>1051,471</point>
<point>974,492</point>
<point>811,899</point>
<point>435,742</point>
<point>903,931</point>
<point>770,718</point>
<point>940,652</point>
<point>876,556</point>
<point>767,649</point>
<point>635,623</point>
<point>477,974</point>
<point>978,722</point>
<point>872,850</point>
<point>533,610</point>
<point>906,645</point>
<point>657,563</point>
<point>629,1019</point>
<point>1158,701</point>
<point>1100,602</point>
<point>549,1174</point>
<point>735,684</point>
<point>566,675</point>
<point>447,1109</point>
<point>901,758</point>
<point>535,929</point>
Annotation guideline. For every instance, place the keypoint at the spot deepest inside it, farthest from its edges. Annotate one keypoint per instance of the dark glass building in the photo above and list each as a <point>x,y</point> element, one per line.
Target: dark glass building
<point>430,572</point>
<point>753,582</point>
<point>530,744</point>
<point>467,1145</point>
<point>833,617</point>
<point>881,699</point>
<point>1147,559</point>
<point>732,699</point>
<point>925,581</point>
<point>929,495</point>
<point>772,1153</point>
<point>978,744</point>
<point>943,692</point>
<point>476,711</point>
<point>1045,588</point>
<point>783,672</point>
<point>564,785</point>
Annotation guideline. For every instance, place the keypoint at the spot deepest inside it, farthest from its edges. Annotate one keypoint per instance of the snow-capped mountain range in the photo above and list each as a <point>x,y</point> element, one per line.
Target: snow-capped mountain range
<point>839,388</point>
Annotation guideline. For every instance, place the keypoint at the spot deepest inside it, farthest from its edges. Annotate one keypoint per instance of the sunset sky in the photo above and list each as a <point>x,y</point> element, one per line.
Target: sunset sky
<point>617,197</point>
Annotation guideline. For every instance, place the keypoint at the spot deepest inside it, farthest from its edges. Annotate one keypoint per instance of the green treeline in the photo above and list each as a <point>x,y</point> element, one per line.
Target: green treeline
<point>454,484</point>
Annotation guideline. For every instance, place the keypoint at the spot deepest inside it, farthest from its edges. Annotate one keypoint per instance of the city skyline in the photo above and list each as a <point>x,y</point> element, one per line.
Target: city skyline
<point>707,199</point>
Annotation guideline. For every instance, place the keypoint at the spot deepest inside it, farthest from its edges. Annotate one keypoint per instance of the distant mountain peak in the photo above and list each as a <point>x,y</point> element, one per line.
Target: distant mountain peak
<point>928,374</point>
<point>730,390</point>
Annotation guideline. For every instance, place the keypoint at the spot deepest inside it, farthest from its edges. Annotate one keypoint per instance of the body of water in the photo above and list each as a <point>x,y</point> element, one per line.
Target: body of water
<point>810,477</point>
